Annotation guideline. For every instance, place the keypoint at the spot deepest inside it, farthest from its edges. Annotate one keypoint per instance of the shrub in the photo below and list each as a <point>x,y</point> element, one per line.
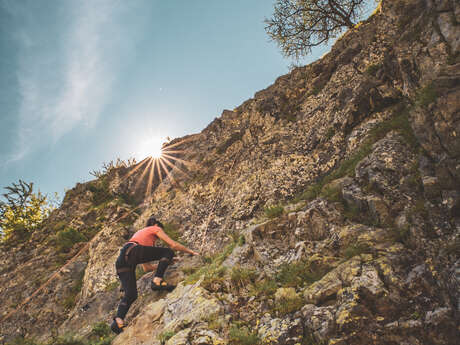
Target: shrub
<point>22,341</point>
<point>372,69</point>
<point>212,272</point>
<point>65,239</point>
<point>241,335</point>
<point>241,277</point>
<point>299,273</point>
<point>66,340</point>
<point>289,304</point>
<point>274,211</point>
<point>101,192</point>
<point>356,249</point>
<point>264,288</point>
<point>165,336</point>
<point>426,95</point>
<point>70,300</point>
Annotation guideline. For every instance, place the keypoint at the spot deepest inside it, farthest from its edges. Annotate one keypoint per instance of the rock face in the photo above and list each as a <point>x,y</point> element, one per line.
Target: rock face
<point>329,205</point>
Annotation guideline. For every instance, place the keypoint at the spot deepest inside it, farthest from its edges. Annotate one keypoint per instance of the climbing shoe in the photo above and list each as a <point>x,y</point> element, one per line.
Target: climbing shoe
<point>162,286</point>
<point>115,328</point>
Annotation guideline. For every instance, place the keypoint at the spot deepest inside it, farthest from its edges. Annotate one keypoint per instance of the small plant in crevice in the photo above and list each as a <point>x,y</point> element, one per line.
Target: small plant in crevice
<point>400,234</point>
<point>399,122</point>
<point>426,95</point>
<point>166,335</point>
<point>263,289</point>
<point>213,272</point>
<point>66,238</point>
<point>242,277</point>
<point>242,335</point>
<point>372,69</point>
<point>356,249</point>
<point>71,299</point>
<point>287,305</point>
<point>300,273</point>
<point>274,211</point>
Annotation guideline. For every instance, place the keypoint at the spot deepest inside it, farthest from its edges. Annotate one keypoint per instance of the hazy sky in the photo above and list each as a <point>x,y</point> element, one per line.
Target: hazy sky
<point>86,81</point>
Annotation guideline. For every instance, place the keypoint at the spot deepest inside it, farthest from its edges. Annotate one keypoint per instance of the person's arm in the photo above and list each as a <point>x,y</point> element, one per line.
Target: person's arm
<point>173,244</point>
<point>147,267</point>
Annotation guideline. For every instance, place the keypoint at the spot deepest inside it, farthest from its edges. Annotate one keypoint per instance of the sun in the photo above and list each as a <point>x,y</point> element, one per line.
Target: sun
<point>149,147</point>
<point>157,151</point>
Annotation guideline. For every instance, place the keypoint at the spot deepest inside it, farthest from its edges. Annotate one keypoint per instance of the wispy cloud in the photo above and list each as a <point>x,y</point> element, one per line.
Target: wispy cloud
<point>65,72</point>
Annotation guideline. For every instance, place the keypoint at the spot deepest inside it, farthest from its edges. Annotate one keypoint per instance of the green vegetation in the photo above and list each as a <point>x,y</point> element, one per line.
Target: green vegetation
<point>23,212</point>
<point>66,238</point>
<point>108,167</point>
<point>401,235</point>
<point>99,335</point>
<point>112,286</point>
<point>139,272</point>
<point>172,230</point>
<point>101,192</point>
<point>264,288</point>
<point>372,69</point>
<point>70,300</point>
<point>330,133</point>
<point>166,335</point>
<point>241,277</point>
<point>399,123</point>
<point>356,249</point>
<point>289,304</point>
<point>212,272</point>
<point>274,211</point>
<point>426,95</point>
<point>299,273</point>
<point>241,335</point>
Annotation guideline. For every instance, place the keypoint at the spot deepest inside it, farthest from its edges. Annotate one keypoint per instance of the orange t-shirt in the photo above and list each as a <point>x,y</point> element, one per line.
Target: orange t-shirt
<point>146,236</point>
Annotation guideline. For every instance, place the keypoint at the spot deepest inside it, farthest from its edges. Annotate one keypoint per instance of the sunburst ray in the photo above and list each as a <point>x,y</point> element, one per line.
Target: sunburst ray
<point>136,186</point>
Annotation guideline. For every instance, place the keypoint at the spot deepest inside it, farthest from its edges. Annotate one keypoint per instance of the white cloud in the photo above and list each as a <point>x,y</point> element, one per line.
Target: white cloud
<point>64,80</point>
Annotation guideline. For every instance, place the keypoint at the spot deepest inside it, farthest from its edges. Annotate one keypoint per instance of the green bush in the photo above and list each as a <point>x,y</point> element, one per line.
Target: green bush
<point>101,192</point>
<point>212,272</point>
<point>399,123</point>
<point>22,341</point>
<point>356,249</point>
<point>299,273</point>
<point>241,277</point>
<point>274,211</point>
<point>289,304</point>
<point>426,95</point>
<point>65,239</point>
<point>70,300</point>
<point>264,288</point>
<point>67,340</point>
<point>166,335</point>
<point>372,69</point>
<point>241,335</point>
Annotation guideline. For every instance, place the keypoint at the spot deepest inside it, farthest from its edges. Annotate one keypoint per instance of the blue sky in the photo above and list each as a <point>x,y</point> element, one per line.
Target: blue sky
<point>85,82</point>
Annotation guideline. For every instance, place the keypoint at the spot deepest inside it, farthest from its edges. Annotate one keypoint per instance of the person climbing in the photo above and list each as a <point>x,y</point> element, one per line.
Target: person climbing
<point>140,250</point>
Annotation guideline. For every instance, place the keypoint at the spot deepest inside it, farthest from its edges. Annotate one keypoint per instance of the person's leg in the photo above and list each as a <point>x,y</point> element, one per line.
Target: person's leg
<point>142,254</point>
<point>128,283</point>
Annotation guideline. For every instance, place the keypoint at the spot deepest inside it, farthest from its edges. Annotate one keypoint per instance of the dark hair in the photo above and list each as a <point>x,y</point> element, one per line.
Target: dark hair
<point>153,221</point>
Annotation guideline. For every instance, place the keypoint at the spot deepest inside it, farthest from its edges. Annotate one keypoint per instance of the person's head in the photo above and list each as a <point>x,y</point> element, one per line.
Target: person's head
<point>153,221</point>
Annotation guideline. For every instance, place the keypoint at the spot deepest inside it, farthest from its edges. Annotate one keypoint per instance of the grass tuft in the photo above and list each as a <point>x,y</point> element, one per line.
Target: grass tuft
<point>274,211</point>
<point>241,335</point>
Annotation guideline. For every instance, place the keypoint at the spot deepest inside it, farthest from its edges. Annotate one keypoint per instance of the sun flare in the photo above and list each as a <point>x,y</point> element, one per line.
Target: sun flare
<point>150,147</point>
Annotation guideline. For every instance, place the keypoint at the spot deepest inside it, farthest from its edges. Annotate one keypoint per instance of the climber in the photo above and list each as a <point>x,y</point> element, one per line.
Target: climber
<point>140,250</point>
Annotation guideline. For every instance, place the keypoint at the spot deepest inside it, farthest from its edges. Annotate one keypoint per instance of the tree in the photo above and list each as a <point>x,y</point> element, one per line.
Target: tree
<point>299,25</point>
<point>23,212</point>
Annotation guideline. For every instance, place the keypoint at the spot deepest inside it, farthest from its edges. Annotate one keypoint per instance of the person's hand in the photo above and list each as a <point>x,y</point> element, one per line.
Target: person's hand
<point>194,253</point>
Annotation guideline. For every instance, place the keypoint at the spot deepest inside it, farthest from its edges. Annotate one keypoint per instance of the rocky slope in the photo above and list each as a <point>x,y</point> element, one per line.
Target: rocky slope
<point>327,209</point>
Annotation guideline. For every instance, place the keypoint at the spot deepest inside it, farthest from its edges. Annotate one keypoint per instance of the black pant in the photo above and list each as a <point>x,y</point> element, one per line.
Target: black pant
<point>138,255</point>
